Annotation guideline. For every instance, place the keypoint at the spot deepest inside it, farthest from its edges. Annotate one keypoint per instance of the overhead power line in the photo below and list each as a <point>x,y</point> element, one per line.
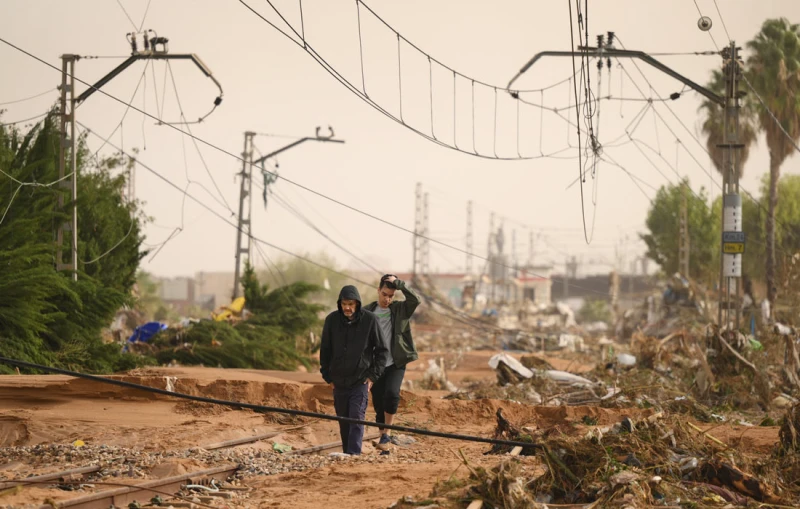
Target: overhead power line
<point>239,158</point>
<point>49,91</point>
<point>362,91</point>
<point>285,251</point>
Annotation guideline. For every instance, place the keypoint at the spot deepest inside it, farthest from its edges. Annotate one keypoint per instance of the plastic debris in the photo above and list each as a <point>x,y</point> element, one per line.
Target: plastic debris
<point>281,447</point>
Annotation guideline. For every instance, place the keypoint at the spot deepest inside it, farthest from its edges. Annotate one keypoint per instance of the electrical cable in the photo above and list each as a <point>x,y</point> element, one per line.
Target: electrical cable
<point>239,158</point>
<point>115,246</point>
<point>25,119</point>
<point>127,109</point>
<point>144,17</point>
<point>264,408</point>
<point>194,140</point>
<point>724,26</point>
<point>709,31</point>
<point>126,14</point>
<point>699,143</point>
<point>29,98</point>
<point>771,114</point>
<point>9,204</point>
<point>365,97</point>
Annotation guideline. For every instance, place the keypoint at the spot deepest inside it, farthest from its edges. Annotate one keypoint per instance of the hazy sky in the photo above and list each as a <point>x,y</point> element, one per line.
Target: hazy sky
<point>273,86</point>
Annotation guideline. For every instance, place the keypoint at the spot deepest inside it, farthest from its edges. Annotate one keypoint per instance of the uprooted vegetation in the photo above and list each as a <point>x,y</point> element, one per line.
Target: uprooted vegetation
<point>657,460</point>
<point>267,339</point>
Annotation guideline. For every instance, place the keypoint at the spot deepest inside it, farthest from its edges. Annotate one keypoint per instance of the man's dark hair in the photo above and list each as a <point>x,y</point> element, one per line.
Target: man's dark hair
<point>386,283</point>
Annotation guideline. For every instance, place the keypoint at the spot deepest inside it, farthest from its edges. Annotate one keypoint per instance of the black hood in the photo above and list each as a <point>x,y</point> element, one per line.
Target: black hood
<point>349,292</point>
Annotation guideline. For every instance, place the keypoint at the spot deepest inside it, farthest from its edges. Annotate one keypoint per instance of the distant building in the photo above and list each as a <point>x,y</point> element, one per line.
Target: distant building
<point>534,287</point>
<point>178,293</point>
<point>214,289</point>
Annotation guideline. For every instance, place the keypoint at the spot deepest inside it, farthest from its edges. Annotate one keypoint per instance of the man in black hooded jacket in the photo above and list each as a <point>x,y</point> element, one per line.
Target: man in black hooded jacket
<point>352,357</point>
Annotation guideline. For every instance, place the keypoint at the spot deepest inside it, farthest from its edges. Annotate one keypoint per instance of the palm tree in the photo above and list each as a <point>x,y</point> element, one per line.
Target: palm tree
<point>774,72</point>
<point>714,125</point>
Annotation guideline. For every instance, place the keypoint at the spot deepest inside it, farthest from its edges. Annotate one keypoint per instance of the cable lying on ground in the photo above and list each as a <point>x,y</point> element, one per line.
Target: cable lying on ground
<point>263,408</point>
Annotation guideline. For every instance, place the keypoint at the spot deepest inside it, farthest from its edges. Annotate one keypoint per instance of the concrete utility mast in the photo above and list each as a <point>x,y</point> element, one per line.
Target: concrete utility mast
<point>244,231</point>
<point>733,238</point>
<point>155,48</point>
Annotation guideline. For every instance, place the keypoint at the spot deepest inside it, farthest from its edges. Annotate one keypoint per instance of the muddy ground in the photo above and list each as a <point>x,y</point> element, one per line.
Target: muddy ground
<point>136,436</point>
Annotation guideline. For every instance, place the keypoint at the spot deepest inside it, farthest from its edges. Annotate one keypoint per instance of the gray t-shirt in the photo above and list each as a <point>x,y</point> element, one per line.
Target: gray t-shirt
<point>384,316</point>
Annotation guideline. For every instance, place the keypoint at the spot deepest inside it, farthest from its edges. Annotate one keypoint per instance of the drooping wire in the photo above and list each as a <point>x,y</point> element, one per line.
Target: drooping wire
<point>360,91</point>
<point>430,75</point>
<point>239,158</point>
<point>14,122</point>
<point>144,16</point>
<point>142,77</point>
<point>364,213</point>
<point>709,31</point>
<point>577,116</point>
<point>724,26</point>
<point>50,91</point>
<point>194,141</point>
<point>126,14</point>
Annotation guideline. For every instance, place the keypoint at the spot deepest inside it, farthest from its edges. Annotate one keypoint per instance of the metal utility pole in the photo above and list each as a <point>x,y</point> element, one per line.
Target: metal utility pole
<point>155,48</point>
<point>468,266</point>
<point>489,256</point>
<point>683,233</point>
<point>246,190</point>
<point>571,272</point>
<point>530,248</point>
<point>66,147</point>
<point>733,238</point>
<point>514,263</point>
<point>634,265</point>
<point>426,245</point>
<point>243,245</point>
<point>417,240</point>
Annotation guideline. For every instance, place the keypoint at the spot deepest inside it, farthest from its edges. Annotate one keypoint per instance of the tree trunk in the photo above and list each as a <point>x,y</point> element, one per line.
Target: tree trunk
<point>774,175</point>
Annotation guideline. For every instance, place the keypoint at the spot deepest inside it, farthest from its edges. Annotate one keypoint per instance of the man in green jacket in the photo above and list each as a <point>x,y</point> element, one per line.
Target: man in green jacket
<point>394,321</point>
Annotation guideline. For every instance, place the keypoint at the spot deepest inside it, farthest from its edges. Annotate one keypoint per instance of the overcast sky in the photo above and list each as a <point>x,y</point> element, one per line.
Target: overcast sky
<point>274,86</point>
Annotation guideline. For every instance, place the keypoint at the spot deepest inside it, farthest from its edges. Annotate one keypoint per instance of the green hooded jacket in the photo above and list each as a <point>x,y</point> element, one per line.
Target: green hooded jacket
<point>402,344</point>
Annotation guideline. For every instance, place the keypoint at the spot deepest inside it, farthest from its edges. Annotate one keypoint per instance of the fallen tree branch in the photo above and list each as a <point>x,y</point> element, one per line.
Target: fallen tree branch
<point>737,354</point>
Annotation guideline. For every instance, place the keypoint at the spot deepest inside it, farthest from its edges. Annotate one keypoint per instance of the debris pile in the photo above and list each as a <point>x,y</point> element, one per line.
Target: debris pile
<point>657,460</point>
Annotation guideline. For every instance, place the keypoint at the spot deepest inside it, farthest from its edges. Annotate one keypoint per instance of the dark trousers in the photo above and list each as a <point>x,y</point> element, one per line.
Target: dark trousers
<point>351,402</point>
<point>386,392</point>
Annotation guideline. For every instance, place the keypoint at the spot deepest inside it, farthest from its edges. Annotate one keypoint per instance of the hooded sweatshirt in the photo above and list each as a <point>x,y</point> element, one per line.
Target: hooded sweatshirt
<point>352,350</point>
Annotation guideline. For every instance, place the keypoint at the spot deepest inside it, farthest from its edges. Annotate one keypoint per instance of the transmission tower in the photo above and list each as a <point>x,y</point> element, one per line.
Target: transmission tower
<point>426,245</point>
<point>417,240</point>
<point>468,266</point>
<point>530,248</point>
<point>683,232</point>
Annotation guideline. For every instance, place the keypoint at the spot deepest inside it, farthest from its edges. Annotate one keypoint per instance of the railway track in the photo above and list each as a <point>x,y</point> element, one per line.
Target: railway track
<point>143,492</point>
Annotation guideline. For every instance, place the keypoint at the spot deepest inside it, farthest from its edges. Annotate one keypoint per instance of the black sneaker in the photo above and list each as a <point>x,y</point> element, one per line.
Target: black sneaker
<point>383,443</point>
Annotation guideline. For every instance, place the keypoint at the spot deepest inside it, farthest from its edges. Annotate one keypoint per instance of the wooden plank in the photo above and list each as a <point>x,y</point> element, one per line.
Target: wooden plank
<point>516,450</point>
